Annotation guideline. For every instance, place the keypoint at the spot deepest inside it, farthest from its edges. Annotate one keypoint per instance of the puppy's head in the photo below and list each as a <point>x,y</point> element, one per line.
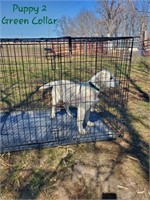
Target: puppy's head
<point>106,79</point>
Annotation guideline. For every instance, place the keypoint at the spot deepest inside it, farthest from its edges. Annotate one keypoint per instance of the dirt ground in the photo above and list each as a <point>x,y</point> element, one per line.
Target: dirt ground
<point>88,170</point>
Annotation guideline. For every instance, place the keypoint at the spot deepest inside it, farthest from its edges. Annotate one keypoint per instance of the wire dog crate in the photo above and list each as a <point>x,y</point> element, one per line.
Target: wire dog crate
<point>28,64</point>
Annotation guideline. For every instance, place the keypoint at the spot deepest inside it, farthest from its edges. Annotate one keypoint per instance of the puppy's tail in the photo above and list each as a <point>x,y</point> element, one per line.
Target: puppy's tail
<point>48,85</point>
<point>54,83</point>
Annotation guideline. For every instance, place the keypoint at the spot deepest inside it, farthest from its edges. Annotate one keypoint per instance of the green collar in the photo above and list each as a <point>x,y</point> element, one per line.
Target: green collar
<point>93,86</point>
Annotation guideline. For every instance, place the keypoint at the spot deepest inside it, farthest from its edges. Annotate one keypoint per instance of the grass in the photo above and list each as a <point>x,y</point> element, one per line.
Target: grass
<point>87,170</point>
<point>21,77</point>
<point>139,97</point>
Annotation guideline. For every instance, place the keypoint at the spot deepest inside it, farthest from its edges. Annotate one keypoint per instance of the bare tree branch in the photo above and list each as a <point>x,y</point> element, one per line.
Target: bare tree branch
<point>113,17</point>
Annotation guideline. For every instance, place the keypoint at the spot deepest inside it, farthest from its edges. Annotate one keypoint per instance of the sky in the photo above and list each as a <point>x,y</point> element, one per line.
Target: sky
<point>22,19</point>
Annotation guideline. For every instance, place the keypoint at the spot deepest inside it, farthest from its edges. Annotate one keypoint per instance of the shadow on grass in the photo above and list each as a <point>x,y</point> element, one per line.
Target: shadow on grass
<point>142,67</point>
<point>142,93</point>
<point>136,144</point>
<point>34,179</point>
<point>24,103</point>
<point>37,180</point>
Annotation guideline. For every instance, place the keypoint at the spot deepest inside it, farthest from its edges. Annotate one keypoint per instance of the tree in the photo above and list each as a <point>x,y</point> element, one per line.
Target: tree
<point>143,10</point>
<point>113,17</point>
<point>130,20</point>
<point>84,24</point>
<point>66,27</point>
<point>110,14</point>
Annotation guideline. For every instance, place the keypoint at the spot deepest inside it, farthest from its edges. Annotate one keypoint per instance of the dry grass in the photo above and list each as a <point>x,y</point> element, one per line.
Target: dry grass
<point>87,170</point>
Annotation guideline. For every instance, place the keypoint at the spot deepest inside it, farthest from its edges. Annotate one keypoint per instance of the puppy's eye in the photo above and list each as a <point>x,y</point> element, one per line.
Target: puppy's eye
<point>111,78</point>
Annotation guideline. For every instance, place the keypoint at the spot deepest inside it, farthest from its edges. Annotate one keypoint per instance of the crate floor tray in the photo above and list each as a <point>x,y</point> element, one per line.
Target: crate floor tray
<point>34,129</point>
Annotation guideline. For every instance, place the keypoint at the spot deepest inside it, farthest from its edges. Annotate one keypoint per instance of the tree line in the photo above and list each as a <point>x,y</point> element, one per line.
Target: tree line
<point>110,18</point>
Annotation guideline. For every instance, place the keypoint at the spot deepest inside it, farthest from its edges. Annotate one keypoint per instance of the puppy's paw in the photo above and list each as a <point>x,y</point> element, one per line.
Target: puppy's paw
<point>92,110</point>
<point>83,131</point>
<point>53,115</point>
<point>90,123</point>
